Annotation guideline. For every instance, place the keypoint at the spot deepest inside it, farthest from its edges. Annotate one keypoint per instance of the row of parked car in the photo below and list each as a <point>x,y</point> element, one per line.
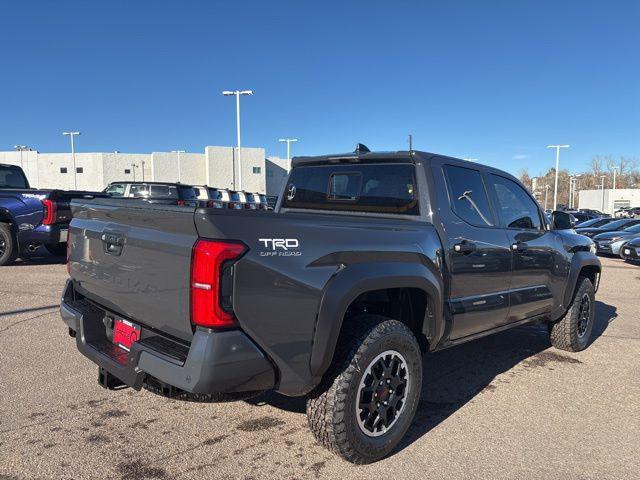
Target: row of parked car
<point>613,236</point>
<point>198,195</point>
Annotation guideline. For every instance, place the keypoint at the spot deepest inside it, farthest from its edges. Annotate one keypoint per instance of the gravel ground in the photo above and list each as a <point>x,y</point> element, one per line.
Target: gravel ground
<point>506,406</point>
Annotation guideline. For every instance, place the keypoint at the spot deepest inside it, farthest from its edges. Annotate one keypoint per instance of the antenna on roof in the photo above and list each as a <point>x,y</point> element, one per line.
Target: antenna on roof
<point>362,148</point>
<point>410,142</point>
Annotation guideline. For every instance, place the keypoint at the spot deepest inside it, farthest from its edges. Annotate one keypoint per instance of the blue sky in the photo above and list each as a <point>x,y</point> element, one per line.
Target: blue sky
<point>493,80</point>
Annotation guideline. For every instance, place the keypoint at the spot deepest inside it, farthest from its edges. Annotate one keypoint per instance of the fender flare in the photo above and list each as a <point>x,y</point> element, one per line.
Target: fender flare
<point>7,216</point>
<point>579,261</point>
<point>356,279</point>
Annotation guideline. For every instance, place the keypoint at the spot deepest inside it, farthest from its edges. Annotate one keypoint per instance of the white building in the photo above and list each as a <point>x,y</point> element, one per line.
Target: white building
<point>609,200</point>
<point>93,171</point>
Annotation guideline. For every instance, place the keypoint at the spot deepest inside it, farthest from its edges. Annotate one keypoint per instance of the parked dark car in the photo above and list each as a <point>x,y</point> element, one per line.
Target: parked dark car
<point>616,225</point>
<point>31,218</point>
<point>368,261</point>
<point>630,251</point>
<point>594,212</point>
<point>236,200</point>
<point>596,222</point>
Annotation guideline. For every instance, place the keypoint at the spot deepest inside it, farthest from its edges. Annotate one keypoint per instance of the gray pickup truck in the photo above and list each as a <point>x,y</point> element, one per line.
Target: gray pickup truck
<point>368,261</point>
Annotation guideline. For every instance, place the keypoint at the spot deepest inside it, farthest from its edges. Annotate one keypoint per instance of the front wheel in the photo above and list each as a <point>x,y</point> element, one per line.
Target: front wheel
<point>573,331</point>
<point>370,394</point>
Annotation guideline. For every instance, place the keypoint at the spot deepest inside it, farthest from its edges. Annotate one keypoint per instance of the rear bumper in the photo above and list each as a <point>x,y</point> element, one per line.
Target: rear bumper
<point>214,362</point>
<point>44,234</point>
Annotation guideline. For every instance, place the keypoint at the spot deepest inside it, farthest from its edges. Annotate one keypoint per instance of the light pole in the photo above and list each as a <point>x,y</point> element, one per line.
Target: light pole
<point>237,93</point>
<point>179,168</point>
<point>288,140</point>
<point>546,195</point>
<point>603,177</point>
<point>613,193</point>
<point>133,169</point>
<point>21,148</point>
<point>555,188</point>
<point>73,156</point>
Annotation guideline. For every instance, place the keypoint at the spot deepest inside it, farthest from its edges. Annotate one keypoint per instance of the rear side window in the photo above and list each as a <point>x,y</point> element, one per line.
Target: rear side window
<point>167,191</point>
<point>12,177</point>
<point>139,190</point>
<point>468,195</point>
<point>187,193</point>
<point>379,188</point>
<point>516,208</point>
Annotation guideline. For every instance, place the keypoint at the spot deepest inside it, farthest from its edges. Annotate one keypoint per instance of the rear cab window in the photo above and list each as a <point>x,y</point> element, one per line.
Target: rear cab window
<point>375,188</point>
<point>468,196</point>
<point>12,177</point>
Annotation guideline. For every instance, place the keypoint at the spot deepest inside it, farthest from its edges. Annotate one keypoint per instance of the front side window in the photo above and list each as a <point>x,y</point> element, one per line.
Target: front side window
<point>115,190</point>
<point>467,195</point>
<point>375,188</point>
<point>515,207</point>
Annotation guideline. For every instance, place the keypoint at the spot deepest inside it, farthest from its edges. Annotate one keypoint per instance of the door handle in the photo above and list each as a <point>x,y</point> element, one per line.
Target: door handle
<point>113,243</point>
<point>519,247</point>
<point>464,247</point>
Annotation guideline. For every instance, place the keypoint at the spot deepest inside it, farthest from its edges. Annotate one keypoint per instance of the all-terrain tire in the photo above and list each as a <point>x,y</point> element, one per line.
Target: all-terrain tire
<point>8,245</point>
<point>571,333</point>
<point>331,408</point>
<point>56,249</point>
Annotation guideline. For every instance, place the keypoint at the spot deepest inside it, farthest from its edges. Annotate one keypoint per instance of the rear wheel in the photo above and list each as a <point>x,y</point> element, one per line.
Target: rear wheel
<point>56,249</point>
<point>573,331</point>
<point>8,246</point>
<point>369,396</point>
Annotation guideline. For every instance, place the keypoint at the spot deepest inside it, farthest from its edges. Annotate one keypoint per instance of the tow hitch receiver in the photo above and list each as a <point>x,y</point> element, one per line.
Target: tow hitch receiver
<point>108,381</point>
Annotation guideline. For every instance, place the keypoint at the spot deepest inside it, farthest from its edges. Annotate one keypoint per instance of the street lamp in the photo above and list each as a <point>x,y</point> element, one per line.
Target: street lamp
<point>613,193</point>
<point>555,188</point>
<point>546,195</point>
<point>603,178</point>
<point>179,170</point>
<point>288,140</point>
<point>73,156</point>
<point>21,148</point>
<point>237,93</point>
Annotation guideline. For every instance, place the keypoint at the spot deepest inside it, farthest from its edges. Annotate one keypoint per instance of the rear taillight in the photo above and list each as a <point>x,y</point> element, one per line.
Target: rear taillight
<point>210,260</point>
<point>214,204</point>
<point>49,212</point>
<point>182,203</point>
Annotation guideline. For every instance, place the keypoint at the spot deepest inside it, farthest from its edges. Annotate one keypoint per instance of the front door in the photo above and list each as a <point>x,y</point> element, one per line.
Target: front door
<point>538,263</point>
<point>477,252</point>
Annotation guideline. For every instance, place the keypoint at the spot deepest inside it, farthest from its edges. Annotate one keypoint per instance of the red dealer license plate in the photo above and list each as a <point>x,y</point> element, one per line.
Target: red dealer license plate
<point>125,333</point>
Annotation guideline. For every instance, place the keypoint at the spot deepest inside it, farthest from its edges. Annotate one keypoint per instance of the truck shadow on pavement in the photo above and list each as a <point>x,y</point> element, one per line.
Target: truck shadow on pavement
<point>40,258</point>
<point>455,376</point>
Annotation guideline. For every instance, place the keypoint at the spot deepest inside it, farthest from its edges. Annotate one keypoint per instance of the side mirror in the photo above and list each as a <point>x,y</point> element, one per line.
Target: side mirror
<point>562,221</point>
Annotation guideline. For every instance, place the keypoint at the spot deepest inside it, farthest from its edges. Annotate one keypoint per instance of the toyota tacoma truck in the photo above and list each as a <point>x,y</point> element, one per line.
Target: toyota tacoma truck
<point>368,261</point>
<point>30,218</point>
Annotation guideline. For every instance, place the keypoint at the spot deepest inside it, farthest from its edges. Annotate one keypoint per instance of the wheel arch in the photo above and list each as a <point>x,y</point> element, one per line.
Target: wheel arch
<point>354,281</point>
<point>583,264</point>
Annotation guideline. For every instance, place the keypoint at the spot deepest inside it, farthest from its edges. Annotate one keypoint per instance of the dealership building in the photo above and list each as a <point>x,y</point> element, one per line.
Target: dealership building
<point>608,200</point>
<point>93,171</point>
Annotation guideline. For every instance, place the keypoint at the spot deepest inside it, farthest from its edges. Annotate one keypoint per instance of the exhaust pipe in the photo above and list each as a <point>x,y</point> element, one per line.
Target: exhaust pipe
<point>32,247</point>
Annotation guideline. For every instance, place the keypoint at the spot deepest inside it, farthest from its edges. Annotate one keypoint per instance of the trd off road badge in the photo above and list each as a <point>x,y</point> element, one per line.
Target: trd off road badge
<point>280,247</point>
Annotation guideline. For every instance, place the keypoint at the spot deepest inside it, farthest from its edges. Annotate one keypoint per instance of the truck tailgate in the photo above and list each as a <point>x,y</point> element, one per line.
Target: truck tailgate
<point>134,258</point>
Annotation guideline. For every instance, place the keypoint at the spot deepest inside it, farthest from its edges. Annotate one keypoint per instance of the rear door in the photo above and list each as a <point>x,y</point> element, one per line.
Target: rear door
<point>134,258</point>
<point>538,274</point>
<point>476,251</point>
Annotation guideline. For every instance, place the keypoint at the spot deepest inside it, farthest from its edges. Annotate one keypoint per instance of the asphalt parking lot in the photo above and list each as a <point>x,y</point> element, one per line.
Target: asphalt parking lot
<point>507,406</point>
